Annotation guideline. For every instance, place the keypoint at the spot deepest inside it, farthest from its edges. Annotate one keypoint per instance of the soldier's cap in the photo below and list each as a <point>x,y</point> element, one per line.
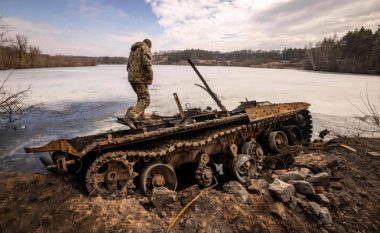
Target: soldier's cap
<point>148,42</point>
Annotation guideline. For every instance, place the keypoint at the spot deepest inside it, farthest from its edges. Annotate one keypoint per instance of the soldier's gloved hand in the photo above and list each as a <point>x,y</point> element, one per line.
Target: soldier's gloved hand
<point>150,82</point>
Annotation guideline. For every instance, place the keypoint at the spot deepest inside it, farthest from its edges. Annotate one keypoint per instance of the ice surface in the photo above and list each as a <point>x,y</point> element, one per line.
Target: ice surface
<point>85,100</point>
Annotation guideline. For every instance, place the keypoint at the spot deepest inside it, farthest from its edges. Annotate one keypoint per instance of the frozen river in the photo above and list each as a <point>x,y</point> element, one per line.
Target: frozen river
<point>85,100</point>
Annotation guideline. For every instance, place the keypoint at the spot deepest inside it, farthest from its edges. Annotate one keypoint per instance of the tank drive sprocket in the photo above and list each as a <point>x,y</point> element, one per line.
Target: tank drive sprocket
<point>110,174</point>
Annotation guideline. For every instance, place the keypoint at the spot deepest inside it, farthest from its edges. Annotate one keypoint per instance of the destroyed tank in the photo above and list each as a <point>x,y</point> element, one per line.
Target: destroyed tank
<point>194,145</point>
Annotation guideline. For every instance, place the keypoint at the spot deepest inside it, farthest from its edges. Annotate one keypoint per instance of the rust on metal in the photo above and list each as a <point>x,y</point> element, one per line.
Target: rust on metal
<point>58,145</point>
<point>179,106</point>
<point>273,110</point>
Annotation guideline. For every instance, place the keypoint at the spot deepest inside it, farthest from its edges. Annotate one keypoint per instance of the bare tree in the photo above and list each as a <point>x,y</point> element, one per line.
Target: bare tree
<point>21,46</point>
<point>3,31</point>
<point>370,114</point>
<point>309,55</point>
<point>34,53</point>
<point>6,44</point>
<point>11,102</point>
<point>314,55</point>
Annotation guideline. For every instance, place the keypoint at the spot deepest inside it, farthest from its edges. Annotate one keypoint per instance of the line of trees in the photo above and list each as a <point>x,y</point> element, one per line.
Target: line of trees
<point>17,53</point>
<point>357,51</point>
<point>239,58</point>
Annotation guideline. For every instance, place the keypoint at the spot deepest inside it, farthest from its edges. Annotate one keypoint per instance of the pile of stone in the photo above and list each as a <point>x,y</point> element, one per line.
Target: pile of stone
<point>302,187</point>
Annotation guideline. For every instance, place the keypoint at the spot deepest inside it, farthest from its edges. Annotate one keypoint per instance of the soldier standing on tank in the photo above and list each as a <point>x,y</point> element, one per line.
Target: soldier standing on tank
<point>140,75</point>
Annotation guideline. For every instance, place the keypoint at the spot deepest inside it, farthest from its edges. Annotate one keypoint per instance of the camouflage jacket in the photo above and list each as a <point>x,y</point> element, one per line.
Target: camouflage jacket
<point>140,64</point>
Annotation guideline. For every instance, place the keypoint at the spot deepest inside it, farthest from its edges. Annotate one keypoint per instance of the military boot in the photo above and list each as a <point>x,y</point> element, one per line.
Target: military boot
<point>129,122</point>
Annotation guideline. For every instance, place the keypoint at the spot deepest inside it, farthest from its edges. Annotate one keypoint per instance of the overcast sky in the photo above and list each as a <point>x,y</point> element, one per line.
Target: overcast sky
<point>109,27</point>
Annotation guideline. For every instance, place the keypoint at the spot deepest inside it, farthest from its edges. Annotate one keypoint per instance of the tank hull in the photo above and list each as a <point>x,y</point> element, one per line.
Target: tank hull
<point>121,161</point>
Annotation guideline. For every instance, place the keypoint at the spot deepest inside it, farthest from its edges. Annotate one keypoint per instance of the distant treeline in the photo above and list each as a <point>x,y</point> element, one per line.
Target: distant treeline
<point>16,53</point>
<point>234,58</point>
<point>357,51</point>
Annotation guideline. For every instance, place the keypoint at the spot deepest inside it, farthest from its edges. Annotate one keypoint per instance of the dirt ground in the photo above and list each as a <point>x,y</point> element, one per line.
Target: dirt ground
<point>31,202</point>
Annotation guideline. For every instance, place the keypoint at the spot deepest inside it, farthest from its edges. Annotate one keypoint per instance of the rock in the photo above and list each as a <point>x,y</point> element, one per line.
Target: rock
<point>274,176</point>
<point>319,189</point>
<point>322,199</point>
<point>293,202</point>
<point>314,207</point>
<point>336,186</point>
<point>148,219</point>
<point>144,201</point>
<point>325,216</point>
<point>300,195</point>
<point>278,210</point>
<point>305,172</point>
<point>163,214</point>
<point>280,172</point>
<point>303,187</point>
<point>320,179</point>
<point>162,196</point>
<point>277,173</point>
<point>302,203</point>
<point>281,190</point>
<point>292,175</point>
<point>258,186</point>
<point>238,189</point>
<point>321,212</point>
<point>315,162</point>
<point>188,194</point>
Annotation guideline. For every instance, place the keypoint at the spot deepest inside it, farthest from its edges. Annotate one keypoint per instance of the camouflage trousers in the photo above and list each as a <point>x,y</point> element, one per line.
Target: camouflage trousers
<point>143,100</point>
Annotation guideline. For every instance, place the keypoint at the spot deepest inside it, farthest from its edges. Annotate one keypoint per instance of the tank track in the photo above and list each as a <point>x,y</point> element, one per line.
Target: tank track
<point>307,130</point>
<point>177,145</point>
<point>173,145</point>
<point>193,142</point>
<point>165,148</point>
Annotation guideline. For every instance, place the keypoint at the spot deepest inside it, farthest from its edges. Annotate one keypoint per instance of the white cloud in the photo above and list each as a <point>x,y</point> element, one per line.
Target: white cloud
<point>223,25</point>
<point>259,24</point>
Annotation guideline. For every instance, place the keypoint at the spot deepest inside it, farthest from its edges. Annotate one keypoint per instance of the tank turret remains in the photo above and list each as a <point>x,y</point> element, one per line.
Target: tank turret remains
<point>219,144</point>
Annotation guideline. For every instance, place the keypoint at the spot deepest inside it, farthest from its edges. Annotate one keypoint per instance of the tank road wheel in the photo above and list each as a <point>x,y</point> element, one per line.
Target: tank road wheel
<point>157,175</point>
<point>294,134</point>
<point>110,174</point>
<point>277,141</point>
<point>253,149</point>
<point>244,168</point>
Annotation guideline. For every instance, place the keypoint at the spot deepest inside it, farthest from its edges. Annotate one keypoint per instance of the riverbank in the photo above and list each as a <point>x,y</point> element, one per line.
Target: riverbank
<point>31,202</point>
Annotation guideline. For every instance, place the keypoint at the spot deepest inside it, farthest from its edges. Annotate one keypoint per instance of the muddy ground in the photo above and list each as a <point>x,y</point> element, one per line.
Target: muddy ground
<point>31,202</point>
